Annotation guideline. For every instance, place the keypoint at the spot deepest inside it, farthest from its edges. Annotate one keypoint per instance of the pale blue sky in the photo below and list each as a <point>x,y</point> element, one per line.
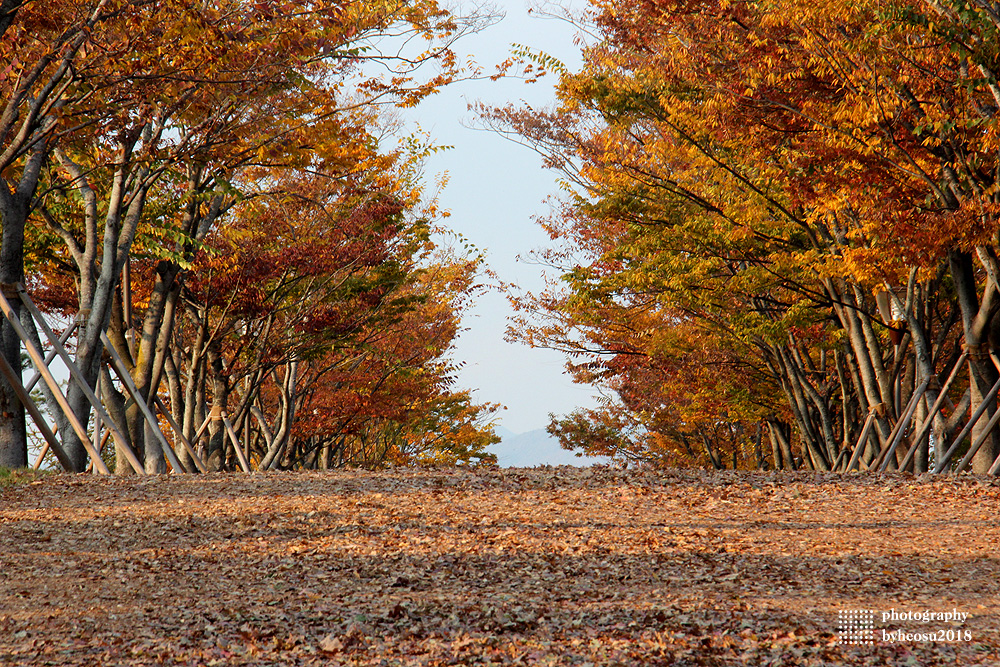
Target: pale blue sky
<point>495,188</point>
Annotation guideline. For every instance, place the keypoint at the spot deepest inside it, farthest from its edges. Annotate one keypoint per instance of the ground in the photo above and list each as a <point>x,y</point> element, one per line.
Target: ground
<point>553,566</point>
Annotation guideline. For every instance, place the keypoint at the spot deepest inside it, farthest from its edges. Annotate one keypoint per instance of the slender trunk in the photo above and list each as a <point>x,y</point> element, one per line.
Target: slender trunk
<point>713,456</point>
<point>150,358</point>
<point>827,449</point>
<point>775,451</point>
<point>200,410</point>
<point>779,433</point>
<point>193,385</point>
<point>114,404</point>
<point>176,392</point>
<point>812,442</point>
<point>217,451</point>
<point>977,323</point>
<point>758,449</point>
<point>908,385</point>
<point>875,387</point>
<point>279,442</point>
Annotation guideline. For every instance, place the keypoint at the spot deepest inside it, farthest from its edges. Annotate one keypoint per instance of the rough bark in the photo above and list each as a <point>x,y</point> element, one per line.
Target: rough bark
<point>13,436</point>
<point>15,200</point>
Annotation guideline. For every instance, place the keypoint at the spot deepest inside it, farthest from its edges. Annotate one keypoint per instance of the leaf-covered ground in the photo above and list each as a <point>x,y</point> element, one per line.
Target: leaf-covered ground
<point>547,566</point>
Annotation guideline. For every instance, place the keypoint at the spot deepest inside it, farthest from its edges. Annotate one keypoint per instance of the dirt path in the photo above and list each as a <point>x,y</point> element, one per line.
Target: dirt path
<point>548,566</point>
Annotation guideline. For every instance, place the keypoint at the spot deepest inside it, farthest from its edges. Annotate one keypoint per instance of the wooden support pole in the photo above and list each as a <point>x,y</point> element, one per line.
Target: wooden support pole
<point>891,439</point>
<point>49,357</point>
<point>180,434</point>
<point>996,463</point>
<point>236,443</point>
<point>45,450</point>
<point>133,391</point>
<point>943,463</point>
<point>75,373</point>
<point>39,361</point>
<point>977,445</point>
<point>900,431</point>
<point>840,459</point>
<point>104,441</point>
<point>230,432</point>
<point>859,447</point>
<point>926,426</point>
<point>100,449</point>
<point>996,361</point>
<point>995,467</point>
<point>201,429</point>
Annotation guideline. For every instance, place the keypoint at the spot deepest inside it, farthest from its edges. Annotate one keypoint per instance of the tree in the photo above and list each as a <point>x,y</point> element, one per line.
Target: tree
<point>181,110</point>
<point>41,49</point>
<point>768,171</point>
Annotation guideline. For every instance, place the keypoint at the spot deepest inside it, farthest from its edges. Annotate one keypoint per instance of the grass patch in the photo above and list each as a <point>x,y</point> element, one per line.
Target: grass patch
<point>14,476</point>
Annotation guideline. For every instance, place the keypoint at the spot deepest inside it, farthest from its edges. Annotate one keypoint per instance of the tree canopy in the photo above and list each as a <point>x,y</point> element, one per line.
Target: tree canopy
<point>779,214</point>
<point>215,187</point>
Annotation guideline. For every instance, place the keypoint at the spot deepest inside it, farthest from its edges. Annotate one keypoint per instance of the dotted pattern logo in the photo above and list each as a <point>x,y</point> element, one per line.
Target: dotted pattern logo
<point>856,626</point>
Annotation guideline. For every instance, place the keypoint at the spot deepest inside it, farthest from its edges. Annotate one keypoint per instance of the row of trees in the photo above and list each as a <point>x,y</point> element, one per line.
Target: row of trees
<point>216,185</point>
<point>782,219</point>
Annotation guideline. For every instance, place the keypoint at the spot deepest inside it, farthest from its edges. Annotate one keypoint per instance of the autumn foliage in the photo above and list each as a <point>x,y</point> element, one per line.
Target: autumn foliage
<point>782,220</point>
<point>218,188</point>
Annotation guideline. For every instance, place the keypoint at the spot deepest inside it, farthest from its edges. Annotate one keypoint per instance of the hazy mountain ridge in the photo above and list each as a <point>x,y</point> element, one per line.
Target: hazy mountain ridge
<point>535,448</point>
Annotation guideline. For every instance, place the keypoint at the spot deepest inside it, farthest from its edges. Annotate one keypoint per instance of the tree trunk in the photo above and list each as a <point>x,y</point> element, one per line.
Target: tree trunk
<point>114,405</point>
<point>781,443</point>
<point>150,358</point>
<point>977,322</point>
<point>220,398</point>
<point>13,215</point>
<point>177,405</point>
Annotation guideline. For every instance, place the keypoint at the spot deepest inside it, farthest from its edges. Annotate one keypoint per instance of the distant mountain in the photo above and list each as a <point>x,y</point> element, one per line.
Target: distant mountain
<point>504,433</point>
<point>535,448</point>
